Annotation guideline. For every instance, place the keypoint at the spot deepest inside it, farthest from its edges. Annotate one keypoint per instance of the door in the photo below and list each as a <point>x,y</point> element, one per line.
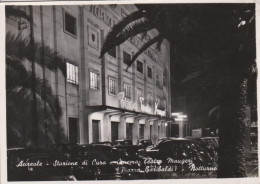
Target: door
<point>185,130</point>
<point>95,130</point>
<point>151,131</point>
<point>114,131</point>
<point>141,131</point>
<point>174,130</point>
<point>73,130</point>
<point>159,131</point>
<point>129,131</point>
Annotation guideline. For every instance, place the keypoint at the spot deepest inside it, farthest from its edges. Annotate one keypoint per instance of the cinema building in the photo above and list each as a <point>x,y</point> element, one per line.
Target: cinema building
<point>101,99</point>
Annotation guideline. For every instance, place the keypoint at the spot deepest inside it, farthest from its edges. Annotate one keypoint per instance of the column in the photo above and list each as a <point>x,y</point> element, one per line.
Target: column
<point>119,60</point>
<point>133,80</point>
<point>136,130</point>
<point>103,72</point>
<point>90,139</point>
<point>83,128</point>
<point>106,135</point>
<point>122,126</point>
<point>181,129</point>
<point>107,125</point>
<point>162,130</point>
<point>147,129</point>
<point>155,132</point>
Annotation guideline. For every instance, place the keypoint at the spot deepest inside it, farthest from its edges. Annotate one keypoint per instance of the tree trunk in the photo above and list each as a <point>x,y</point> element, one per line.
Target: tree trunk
<point>231,161</point>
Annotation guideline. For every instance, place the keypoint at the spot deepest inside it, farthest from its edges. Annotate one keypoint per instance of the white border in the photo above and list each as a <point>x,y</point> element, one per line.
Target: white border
<point>3,160</point>
<point>81,2</point>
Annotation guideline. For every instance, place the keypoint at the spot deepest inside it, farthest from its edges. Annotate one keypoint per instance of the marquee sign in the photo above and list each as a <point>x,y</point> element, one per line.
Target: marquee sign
<point>158,111</point>
<point>145,108</point>
<point>126,104</point>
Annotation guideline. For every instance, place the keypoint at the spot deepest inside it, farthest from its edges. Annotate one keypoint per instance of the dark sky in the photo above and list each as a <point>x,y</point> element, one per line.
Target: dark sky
<point>204,37</point>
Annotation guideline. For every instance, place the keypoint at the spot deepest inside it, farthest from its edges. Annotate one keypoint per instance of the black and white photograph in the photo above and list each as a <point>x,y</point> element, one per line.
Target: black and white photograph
<point>130,91</point>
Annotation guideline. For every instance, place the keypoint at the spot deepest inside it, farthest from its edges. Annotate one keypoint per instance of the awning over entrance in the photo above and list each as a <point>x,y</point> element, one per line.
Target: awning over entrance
<point>105,121</point>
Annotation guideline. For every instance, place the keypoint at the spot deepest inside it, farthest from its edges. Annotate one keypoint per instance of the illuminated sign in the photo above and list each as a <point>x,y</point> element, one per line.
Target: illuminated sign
<point>125,104</point>
<point>157,111</point>
<point>146,109</point>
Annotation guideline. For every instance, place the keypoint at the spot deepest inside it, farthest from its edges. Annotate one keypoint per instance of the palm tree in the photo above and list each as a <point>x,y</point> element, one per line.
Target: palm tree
<point>19,93</point>
<point>24,49</point>
<point>19,103</point>
<point>227,30</point>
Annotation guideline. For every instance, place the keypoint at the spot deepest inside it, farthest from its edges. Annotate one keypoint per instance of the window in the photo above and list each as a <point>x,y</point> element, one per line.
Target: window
<point>149,72</point>
<point>72,73</point>
<point>127,91</point>
<point>112,86</point>
<point>139,66</point>
<point>94,81</point>
<point>70,24</point>
<point>126,58</point>
<point>112,52</point>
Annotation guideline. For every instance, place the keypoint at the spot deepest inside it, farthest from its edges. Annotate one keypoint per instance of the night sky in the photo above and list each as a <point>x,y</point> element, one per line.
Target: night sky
<point>205,42</point>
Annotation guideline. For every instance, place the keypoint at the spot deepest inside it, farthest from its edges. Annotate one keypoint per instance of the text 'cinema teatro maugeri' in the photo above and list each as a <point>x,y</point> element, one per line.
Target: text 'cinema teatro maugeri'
<point>101,99</point>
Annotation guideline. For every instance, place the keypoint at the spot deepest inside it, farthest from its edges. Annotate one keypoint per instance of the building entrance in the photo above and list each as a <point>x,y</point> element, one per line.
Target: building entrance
<point>114,131</point>
<point>95,130</point>
<point>73,130</point>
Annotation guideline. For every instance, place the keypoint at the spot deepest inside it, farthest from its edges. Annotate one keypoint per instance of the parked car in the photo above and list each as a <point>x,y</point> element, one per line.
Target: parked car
<point>144,143</point>
<point>126,149</point>
<point>127,152</point>
<point>63,148</point>
<point>37,165</point>
<point>123,142</point>
<point>178,148</point>
<point>108,143</point>
<point>96,159</point>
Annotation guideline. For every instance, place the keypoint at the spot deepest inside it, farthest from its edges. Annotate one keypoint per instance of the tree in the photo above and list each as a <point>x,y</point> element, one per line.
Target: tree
<point>19,92</point>
<point>41,101</point>
<point>224,31</point>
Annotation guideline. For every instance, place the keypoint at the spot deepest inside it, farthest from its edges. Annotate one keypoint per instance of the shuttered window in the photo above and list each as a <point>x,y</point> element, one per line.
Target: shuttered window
<point>72,73</point>
<point>94,78</point>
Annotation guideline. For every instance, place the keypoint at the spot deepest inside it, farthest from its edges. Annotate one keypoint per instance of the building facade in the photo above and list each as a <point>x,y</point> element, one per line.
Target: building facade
<point>102,99</point>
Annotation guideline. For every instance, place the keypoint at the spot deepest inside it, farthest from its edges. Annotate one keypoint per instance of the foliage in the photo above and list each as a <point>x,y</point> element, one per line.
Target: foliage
<point>19,92</point>
<point>226,33</point>
<point>20,48</point>
<point>130,26</point>
<point>12,11</point>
